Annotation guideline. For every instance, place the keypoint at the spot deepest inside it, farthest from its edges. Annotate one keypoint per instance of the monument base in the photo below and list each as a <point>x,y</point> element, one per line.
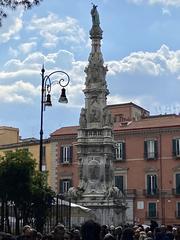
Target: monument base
<point>104,211</point>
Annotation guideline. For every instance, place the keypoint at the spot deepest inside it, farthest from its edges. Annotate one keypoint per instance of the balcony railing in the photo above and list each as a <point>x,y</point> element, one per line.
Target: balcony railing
<point>177,214</point>
<point>129,192</point>
<point>152,215</point>
<point>176,191</point>
<point>151,192</point>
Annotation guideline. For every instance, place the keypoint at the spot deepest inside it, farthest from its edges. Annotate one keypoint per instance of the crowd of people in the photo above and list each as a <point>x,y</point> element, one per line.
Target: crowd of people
<point>90,230</point>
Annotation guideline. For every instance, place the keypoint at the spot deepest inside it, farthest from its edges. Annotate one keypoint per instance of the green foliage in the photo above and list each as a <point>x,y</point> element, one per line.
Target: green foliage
<point>14,4</point>
<point>16,175</point>
<point>22,185</point>
<point>42,198</point>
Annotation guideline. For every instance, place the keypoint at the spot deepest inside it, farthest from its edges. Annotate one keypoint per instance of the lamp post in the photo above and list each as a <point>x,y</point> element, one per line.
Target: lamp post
<point>47,83</point>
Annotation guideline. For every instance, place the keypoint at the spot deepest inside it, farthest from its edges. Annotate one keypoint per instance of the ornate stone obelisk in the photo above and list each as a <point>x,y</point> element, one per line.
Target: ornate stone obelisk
<point>95,141</point>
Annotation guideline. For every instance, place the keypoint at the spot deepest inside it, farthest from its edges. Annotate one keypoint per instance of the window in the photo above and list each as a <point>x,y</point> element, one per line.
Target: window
<point>65,184</point>
<point>66,154</point>
<point>178,209</point>
<point>177,183</point>
<point>152,185</point>
<point>152,210</point>
<point>176,147</point>
<point>150,149</point>
<point>120,151</point>
<point>119,182</point>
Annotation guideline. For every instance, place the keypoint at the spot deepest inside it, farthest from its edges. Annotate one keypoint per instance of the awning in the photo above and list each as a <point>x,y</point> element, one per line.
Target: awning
<point>77,210</point>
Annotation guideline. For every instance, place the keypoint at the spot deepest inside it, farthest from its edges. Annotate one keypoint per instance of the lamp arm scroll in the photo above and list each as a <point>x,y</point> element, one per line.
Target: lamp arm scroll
<point>48,81</point>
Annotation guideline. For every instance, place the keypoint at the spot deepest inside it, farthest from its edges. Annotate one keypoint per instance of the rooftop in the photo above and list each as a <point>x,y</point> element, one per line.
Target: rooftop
<point>156,121</point>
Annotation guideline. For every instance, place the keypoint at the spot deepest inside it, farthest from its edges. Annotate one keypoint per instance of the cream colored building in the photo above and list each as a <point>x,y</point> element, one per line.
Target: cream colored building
<point>8,135</point>
<point>10,141</point>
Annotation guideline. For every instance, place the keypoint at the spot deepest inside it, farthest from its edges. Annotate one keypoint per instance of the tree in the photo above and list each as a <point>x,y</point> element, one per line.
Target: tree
<point>16,175</point>
<point>42,199</point>
<point>24,187</point>
<point>14,4</point>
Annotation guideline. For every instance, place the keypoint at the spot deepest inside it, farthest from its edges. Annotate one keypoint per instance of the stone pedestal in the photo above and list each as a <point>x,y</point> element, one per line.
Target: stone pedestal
<point>105,211</point>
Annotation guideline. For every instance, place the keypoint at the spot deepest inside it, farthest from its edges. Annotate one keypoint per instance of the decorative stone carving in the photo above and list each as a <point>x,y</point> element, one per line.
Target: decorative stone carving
<point>95,115</point>
<point>95,15</point>
<point>94,170</point>
<point>107,118</point>
<point>83,120</point>
<point>94,100</point>
<point>115,193</point>
<point>75,193</point>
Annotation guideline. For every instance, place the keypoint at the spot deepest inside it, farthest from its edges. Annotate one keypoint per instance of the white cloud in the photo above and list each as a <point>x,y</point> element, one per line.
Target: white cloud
<point>12,27</point>
<point>173,3</point>
<point>5,75</point>
<point>151,63</point>
<point>29,70</point>
<point>142,69</point>
<point>166,11</point>
<point>116,99</point>
<point>54,29</point>
<point>20,92</point>
<point>27,47</point>
<point>12,52</point>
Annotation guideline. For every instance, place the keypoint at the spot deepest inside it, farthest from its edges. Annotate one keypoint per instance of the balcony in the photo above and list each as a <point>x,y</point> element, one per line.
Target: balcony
<point>151,193</point>
<point>176,192</point>
<point>129,192</point>
<point>152,215</point>
<point>177,214</point>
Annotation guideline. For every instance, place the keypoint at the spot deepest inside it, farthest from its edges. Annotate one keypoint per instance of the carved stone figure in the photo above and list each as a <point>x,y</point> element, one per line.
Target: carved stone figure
<point>95,15</point>
<point>83,120</point>
<point>94,171</point>
<point>75,192</point>
<point>115,193</point>
<point>95,115</point>
<point>107,118</point>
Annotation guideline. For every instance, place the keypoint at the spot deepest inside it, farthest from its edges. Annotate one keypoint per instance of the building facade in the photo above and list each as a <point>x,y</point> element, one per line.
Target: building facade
<point>10,141</point>
<point>146,163</point>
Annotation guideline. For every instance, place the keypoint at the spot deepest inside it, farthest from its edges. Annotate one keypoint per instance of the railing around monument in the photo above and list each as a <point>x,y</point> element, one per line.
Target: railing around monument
<point>59,212</point>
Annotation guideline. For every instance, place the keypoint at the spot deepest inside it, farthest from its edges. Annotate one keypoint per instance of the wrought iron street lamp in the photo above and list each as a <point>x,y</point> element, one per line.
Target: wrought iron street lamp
<point>63,80</point>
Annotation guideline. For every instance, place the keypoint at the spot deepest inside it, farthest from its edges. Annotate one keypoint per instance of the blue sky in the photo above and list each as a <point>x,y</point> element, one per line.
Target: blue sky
<point>140,47</point>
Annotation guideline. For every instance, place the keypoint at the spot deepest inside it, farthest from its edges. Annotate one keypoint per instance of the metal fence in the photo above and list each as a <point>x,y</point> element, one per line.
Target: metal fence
<point>58,212</point>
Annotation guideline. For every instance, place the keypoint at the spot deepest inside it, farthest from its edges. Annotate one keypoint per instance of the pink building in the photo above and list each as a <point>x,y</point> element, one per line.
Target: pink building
<point>146,162</point>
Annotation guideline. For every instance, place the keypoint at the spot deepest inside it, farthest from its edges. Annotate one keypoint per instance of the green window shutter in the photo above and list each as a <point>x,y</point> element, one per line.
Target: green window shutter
<point>61,186</point>
<point>174,152</point>
<point>148,184</point>
<point>145,150</point>
<point>119,182</point>
<point>155,189</point>
<point>124,150</point>
<point>71,183</point>
<point>61,155</point>
<point>178,183</point>
<point>156,149</point>
<point>152,210</point>
<point>71,154</point>
<point>178,209</point>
